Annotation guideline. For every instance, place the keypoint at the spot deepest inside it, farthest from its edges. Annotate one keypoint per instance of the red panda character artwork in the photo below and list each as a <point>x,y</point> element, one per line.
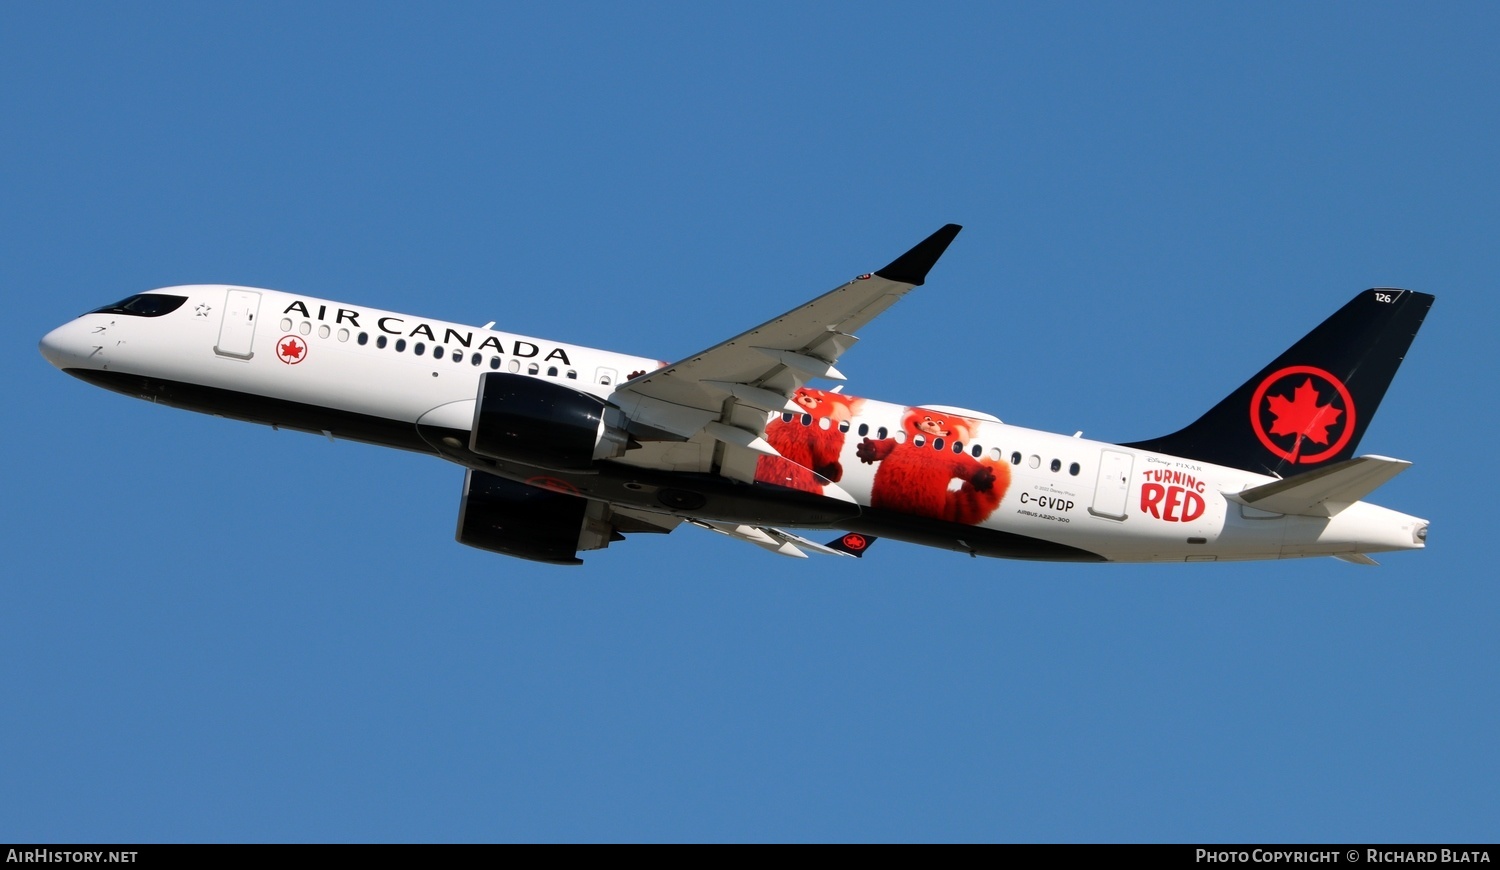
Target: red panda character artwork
<point>809,443</point>
<point>918,475</point>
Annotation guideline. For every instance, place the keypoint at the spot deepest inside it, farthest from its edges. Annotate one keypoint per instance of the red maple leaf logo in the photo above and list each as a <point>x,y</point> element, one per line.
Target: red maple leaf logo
<point>291,349</point>
<point>1302,416</point>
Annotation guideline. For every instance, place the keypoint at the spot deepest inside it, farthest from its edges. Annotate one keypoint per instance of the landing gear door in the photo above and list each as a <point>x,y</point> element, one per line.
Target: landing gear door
<point>1112,489</point>
<point>237,330</point>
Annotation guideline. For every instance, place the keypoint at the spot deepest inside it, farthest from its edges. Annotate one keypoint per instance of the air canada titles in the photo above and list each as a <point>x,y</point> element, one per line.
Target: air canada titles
<point>391,324</point>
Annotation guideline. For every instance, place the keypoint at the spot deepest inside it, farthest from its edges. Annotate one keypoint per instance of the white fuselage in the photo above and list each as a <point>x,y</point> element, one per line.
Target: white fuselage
<point>327,363</point>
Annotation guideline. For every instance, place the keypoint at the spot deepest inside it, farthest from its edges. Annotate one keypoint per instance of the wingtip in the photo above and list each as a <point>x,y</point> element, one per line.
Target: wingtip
<point>912,267</point>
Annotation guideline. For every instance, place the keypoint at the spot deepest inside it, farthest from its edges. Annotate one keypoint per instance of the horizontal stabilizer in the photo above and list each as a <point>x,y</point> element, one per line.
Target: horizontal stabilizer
<point>1326,491</point>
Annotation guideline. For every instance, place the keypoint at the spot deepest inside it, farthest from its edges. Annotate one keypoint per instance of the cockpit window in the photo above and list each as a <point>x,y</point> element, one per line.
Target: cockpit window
<point>144,305</point>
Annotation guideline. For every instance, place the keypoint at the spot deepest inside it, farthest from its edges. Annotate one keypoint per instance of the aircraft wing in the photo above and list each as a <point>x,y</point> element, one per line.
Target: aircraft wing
<point>785,543</point>
<point>726,391</point>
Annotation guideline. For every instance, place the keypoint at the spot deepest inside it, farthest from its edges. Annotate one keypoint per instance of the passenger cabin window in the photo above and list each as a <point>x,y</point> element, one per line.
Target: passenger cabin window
<point>400,345</point>
<point>144,305</point>
<point>364,338</point>
<point>533,369</point>
<point>380,342</point>
<point>572,375</point>
<point>477,359</point>
<point>419,348</point>
<point>1056,465</point>
<point>864,429</point>
<point>1074,469</point>
<point>551,371</point>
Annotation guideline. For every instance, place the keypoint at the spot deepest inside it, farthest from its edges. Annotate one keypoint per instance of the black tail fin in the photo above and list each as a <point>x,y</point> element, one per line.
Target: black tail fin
<point>1310,407</point>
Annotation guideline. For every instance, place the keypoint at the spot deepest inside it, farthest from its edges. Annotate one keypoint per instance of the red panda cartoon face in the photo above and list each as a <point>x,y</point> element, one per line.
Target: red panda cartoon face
<point>942,483</point>
<point>932,427</point>
<point>809,448</point>
<point>822,404</point>
<point>919,421</point>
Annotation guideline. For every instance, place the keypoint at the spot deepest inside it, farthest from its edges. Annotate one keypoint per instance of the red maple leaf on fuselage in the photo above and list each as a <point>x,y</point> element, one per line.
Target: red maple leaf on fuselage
<point>1302,416</point>
<point>291,349</point>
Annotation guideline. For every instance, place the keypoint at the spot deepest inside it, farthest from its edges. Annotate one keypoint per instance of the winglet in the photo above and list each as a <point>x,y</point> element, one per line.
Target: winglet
<point>912,267</point>
<point>852,544</point>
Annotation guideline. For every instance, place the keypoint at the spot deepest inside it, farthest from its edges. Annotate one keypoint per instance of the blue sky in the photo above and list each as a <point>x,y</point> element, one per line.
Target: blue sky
<point>213,631</point>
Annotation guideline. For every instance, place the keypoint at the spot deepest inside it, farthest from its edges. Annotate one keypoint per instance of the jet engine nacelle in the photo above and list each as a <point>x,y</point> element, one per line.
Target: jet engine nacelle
<point>535,422</point>
<point>503,516</point>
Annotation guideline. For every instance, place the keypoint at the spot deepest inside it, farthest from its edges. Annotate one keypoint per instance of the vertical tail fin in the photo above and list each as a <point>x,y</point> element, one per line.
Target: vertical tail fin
<point>1310,407</point>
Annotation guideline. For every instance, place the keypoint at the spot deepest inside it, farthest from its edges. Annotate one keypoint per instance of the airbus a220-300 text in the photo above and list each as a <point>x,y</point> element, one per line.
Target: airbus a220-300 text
<point>568,448</point>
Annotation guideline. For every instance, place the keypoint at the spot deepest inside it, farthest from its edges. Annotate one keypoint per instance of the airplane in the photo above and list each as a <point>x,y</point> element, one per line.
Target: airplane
<point>569,449</point>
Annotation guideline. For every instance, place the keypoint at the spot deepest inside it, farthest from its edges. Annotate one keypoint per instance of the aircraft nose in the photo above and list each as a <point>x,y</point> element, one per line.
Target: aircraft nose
<point>64,346</point>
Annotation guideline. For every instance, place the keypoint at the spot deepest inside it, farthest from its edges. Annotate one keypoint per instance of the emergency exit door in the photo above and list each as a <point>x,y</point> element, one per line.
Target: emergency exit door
<point>237,329</point>
<point>1112,489</point>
